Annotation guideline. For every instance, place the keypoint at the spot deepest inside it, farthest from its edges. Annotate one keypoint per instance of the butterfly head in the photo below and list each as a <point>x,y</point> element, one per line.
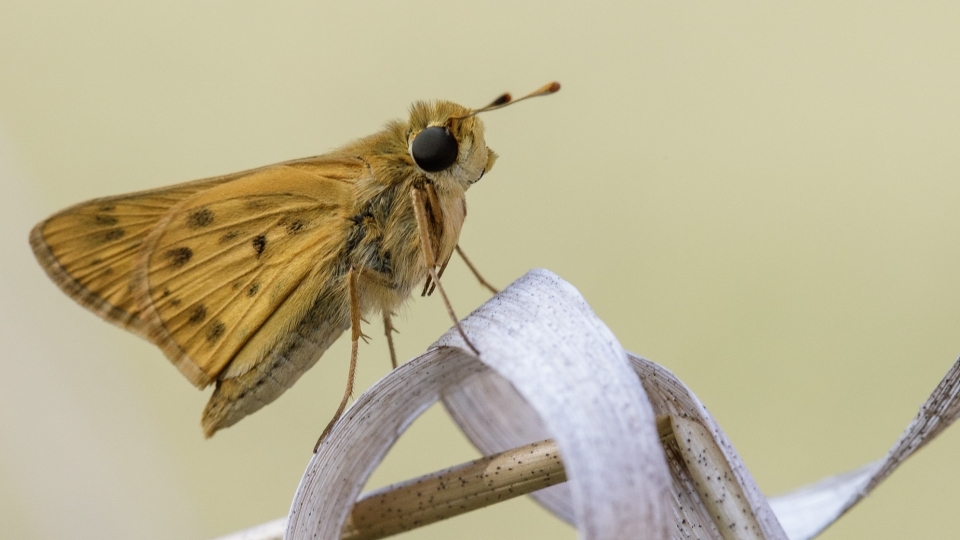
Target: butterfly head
<point>446,140</point>
<point>447,144</point>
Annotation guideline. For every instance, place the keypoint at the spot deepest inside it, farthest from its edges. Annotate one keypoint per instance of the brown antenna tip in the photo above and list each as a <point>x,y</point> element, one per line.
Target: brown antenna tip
<point>553,87</point>
<point>502,100</point>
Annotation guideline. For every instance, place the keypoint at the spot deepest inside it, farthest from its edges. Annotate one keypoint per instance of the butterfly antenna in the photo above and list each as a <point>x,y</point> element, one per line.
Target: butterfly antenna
<point>507,99</point>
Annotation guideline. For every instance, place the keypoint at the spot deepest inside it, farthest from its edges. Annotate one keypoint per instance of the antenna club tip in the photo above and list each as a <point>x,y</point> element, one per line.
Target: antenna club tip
<point>553,87</point>
<point>502,100</point>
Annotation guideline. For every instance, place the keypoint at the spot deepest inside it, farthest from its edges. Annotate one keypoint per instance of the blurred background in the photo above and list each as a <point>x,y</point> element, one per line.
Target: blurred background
<point>760,197</point>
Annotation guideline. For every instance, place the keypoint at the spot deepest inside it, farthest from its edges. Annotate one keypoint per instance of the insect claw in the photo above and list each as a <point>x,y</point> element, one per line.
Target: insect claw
<point>426,286</point>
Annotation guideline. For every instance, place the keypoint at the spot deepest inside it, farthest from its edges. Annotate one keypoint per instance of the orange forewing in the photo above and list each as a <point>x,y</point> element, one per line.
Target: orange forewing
<point>199,268</point>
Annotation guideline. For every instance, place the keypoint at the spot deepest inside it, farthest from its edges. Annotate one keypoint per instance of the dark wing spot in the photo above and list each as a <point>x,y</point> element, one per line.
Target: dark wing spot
<point>175,302</point>
<point>254,289</point>
<point>103,219</point>
<point>259,244</point>
<point>215,331</point>
<point>107,208</point>
<point>295,227</point>
<point>113,234</point>
<point>198,314</point>
<point>200,218</point>
<point>179,256</point>
<point>256,204</point>
<point>166,293</point>
<point>229,236</point>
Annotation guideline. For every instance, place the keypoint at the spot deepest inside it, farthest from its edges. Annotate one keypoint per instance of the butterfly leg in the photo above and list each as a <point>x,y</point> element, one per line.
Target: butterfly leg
<point>430,258</point>
<point>355,336</point>
<point>476,274</point>
<point>388,329</point>
<point>437,225</point>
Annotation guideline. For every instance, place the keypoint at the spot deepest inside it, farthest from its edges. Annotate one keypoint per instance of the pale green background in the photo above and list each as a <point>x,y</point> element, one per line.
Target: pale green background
<point>760,196</point>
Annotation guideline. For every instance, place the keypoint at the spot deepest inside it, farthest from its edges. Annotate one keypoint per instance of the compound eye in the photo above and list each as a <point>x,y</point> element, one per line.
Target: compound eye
<point>434,149</point>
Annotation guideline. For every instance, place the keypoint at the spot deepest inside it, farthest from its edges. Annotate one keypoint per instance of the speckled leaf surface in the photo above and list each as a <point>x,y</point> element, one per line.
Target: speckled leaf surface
<point>643,456</point>
<point>542,338</point>
<point>809,510</point>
